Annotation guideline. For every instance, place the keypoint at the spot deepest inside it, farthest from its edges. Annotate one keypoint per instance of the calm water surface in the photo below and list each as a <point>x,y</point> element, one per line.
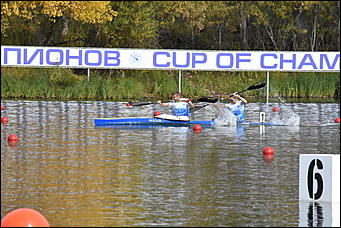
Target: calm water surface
<point>76,174</point>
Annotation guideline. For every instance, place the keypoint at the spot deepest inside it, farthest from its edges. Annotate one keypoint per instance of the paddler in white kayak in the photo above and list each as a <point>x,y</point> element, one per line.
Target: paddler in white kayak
<point>180,106</point>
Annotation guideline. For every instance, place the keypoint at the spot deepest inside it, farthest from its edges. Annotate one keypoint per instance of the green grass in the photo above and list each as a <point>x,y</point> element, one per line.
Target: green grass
<point>63,84</point>
<point>306,85</point>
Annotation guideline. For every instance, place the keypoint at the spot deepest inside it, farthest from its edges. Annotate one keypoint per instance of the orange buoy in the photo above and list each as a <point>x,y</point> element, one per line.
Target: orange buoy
<point>24,217</point>
<point>275,109</point>
<point>4,120</point>
<point>337,120</point>
<point>267,151</point>
<point>156,113</point>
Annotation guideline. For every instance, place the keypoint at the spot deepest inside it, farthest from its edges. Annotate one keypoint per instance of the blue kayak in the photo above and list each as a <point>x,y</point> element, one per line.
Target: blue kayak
<point>158,121</point>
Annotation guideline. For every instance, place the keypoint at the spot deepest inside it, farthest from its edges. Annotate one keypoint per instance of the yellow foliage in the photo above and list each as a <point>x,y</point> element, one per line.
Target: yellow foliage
<point>92,11</point>
<point>25,9</point>
<point>85,11</point>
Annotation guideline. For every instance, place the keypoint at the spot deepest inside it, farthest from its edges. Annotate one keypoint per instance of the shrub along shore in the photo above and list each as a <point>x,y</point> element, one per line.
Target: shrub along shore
<point>123,85</point>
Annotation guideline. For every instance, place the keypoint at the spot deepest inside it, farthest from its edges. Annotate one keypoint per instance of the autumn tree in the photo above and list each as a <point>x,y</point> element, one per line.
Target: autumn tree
<point>51,22</point>
<point>181,23</point>
<point>224,25</point>
<point>135,25</point>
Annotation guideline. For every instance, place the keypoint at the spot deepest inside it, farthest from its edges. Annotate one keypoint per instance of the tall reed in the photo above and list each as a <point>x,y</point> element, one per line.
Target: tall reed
<point>305,85</point>
<point>30,83</point>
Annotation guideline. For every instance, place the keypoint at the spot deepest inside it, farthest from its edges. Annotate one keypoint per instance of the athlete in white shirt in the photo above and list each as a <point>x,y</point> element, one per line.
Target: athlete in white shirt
<point>180,106</point>
<point>237,106</point>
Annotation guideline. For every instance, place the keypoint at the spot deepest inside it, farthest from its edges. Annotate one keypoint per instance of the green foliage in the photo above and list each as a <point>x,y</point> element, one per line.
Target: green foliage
<point>180,23</point>
<point>127,88</point>
<point>207,25</point>
<point>161,84</point>
<point>64,77</point>
<point>134,26</point>
<point>305,85</point>
<point>138,85</point>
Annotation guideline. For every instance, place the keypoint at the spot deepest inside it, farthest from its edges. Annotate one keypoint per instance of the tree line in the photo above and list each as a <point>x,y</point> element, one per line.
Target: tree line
<point>205,25</point>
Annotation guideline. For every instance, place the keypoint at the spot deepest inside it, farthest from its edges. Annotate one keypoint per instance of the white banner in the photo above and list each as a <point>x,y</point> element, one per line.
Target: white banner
<point>162,59</point>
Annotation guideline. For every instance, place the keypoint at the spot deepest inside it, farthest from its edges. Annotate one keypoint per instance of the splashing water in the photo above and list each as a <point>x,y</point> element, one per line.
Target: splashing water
<point>224,117</point>
<point>285,116</point>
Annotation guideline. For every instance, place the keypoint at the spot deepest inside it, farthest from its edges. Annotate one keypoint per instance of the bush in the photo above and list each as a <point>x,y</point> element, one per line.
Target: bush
<point>64,78</point>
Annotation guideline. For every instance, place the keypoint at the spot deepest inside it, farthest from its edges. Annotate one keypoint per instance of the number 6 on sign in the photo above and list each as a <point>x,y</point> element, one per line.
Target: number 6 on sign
<point>319,177</point>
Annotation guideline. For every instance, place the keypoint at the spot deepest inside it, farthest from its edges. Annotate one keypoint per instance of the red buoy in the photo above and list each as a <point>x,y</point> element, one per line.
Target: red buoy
<point>337,120</point>
<point>4,120</point>
<point>268,151</point>
<point>275,109</point>
<point>2,107</point>
<point>197,128</point>
<point>12,138</point>
<point>24,217</point>
<point>156,113</point>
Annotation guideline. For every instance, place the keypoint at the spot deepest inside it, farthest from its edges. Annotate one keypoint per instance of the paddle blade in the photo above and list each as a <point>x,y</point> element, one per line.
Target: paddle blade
<point>196,108</point>
<point>208,99</point>
<point>258,86</point>
<point>141,103</point>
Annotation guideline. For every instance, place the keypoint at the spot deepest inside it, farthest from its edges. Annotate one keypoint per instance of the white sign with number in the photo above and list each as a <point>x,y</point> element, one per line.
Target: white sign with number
<point>319,177</point>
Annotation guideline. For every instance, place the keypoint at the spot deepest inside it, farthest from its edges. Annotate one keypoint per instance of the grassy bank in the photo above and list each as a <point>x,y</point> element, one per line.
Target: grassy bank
<point>64,84</point>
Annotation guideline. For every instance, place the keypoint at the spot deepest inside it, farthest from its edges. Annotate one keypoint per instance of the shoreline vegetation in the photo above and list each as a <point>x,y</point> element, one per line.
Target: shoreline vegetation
<point>127,85</point>
<point>180,25</point>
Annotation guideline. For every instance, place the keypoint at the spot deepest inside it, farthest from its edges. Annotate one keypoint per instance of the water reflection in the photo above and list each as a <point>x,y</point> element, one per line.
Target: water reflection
<point>319,214</point>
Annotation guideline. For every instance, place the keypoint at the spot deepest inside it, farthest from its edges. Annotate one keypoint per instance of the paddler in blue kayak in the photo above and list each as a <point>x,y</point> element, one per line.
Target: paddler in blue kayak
<point>180,106</point>
<point>236,105</point>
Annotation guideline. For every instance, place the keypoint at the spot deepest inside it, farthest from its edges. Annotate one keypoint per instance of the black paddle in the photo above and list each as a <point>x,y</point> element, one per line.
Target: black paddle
<point>196,108</point>
<point>141,103</point>
<point>258,86</point>
<point>207,99</point>
<point>202,99</point>
<point>214,100</point>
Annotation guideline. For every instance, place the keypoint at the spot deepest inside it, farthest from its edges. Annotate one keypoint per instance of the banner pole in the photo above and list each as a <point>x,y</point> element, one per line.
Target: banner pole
<point>179,81</point>
<point>267,87</point>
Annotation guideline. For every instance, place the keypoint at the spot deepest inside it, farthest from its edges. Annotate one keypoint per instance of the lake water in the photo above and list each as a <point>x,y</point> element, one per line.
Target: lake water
<point>77,174</point>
